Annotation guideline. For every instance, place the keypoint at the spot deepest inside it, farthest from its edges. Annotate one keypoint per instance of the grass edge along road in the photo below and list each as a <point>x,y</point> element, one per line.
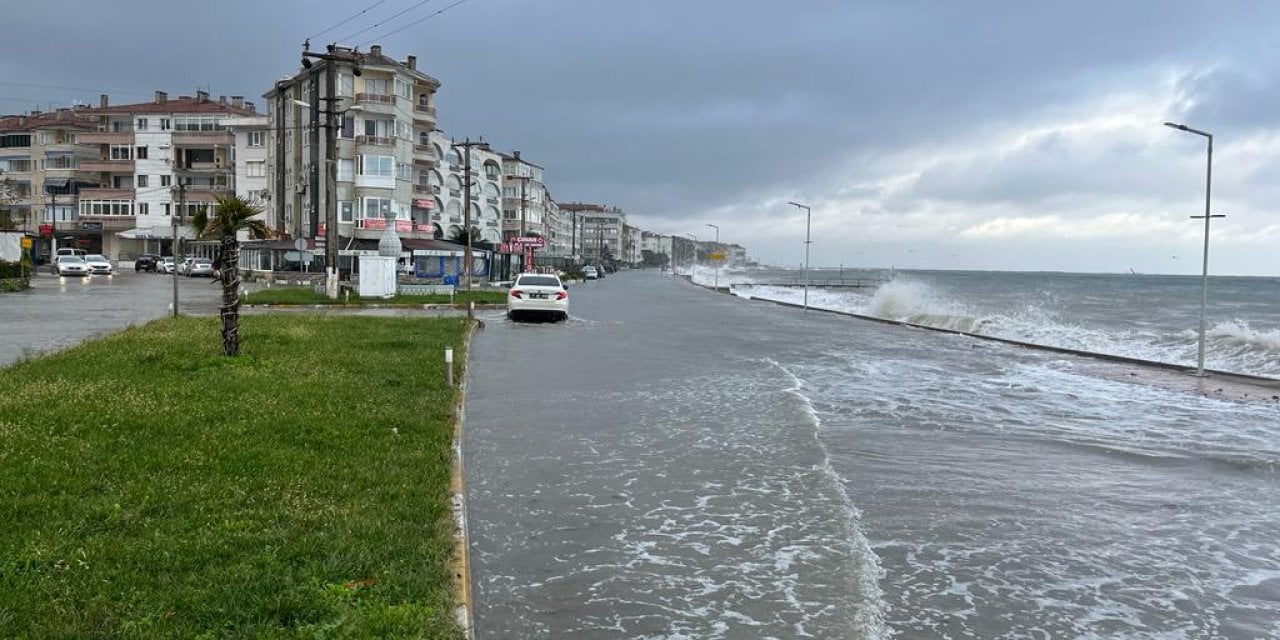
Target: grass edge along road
<point>150,487</point>
<point>306,296</point>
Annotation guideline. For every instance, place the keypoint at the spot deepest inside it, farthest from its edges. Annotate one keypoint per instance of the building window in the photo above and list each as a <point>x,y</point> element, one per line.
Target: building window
<point>346,85</point>
<point>164,124</point>
<point>255,169</point>
<point>142,181</point>
<point>346,212</point>
<point>384,166</point>
<point>376,208</point>
<point>404,171</point>
<point>346,169</point>
<point>348,128</point>
<point>404,89</point>
<point>165,181</point>
<point>377,86</point>
<point>142,208</point>
<point>380,128</point>
<point>121,152</point>
<point>141,124</point>
<point>142,153</point>
<point>256,138</point>
<point>166,209</point>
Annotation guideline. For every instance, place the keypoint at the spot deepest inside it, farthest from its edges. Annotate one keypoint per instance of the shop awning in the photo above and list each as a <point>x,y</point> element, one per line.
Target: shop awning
<point>154,233</point>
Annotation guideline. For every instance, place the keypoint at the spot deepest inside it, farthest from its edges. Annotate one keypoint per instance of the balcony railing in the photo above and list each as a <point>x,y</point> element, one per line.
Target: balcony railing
<point>424,150</point>
<point>106,194</point>
<point>202,138</point>
<point>375,98</point>
<point>491,200</point>
<point>455,193</point>
<point>113,166</point>
<point>105,137</point>
<point>425,110</point>
<point>376,140</point>
<point>202,167</point>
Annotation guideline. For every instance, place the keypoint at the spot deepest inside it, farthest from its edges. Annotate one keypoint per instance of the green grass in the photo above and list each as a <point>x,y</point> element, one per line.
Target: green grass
<point>304,295</point>
<point>151,488</point>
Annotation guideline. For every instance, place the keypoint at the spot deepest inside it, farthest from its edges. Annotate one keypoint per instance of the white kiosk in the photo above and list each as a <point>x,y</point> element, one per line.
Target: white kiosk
<point>378,273</point>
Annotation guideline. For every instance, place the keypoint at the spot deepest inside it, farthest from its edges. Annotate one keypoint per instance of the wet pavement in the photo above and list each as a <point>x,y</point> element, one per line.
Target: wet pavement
<point>59,312</point>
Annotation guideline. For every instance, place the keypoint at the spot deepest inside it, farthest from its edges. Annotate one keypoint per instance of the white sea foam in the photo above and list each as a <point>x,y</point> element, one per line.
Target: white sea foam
<point>871,614</point>
<point>1232,345</point>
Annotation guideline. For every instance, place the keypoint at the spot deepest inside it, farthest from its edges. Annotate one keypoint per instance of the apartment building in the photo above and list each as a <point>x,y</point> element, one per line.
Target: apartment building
<point>655,244</point>
<point>113,175</point>
<point>41,177</point>
<point>385,159</point>
<point>250,136</point>
<point>524,197</point>
<point>601,230</point>
<point>447,185</point>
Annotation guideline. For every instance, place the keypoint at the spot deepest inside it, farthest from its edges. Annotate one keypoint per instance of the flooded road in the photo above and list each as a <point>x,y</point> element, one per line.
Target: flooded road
<point>675,463</point>
<point>58,312</point>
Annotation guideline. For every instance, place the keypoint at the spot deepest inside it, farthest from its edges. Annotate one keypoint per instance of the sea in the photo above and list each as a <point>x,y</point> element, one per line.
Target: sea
<point>674,462</point>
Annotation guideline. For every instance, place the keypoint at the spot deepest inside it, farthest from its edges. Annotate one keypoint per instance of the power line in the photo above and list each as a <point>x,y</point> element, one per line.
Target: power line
<point>428,17</point>
<point>379,24</point>
<point>353,17</point>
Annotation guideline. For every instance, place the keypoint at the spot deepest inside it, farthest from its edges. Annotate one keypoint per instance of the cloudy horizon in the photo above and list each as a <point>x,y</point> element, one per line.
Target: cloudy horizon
<point>994,135</point>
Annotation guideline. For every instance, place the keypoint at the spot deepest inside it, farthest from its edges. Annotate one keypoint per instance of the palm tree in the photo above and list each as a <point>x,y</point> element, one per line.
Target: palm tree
<point>232,215</point>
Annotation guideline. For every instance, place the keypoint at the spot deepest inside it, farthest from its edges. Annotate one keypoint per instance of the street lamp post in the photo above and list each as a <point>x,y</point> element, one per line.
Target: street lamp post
<point>1204,270</point>
<point>717,280</point>
<point>807,218</point>
<point>693,255</point>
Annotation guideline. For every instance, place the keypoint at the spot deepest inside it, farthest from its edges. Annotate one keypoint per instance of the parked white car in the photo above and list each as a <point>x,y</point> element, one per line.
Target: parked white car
<point>165,264</point>
<point>538,294</point>
<point>99,265</point>
<point>589,272</point>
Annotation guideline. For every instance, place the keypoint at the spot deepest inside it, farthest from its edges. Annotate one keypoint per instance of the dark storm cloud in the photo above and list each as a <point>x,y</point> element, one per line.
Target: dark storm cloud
<point>673,109</point>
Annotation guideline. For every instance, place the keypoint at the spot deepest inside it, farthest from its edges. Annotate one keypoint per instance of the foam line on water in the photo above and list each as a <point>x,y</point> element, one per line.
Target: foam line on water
<point>871,615</point>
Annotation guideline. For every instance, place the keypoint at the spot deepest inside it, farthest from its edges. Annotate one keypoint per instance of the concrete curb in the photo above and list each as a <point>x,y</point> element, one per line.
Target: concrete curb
<point>465,610</point>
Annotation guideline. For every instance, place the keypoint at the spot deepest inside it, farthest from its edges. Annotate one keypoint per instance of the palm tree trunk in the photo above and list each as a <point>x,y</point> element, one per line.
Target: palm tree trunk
<point>229,274</point>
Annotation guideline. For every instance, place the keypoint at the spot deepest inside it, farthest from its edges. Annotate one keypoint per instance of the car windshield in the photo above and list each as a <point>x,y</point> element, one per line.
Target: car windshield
<point>538,281</point>
<point>69,259</point>
<point>97,258</point>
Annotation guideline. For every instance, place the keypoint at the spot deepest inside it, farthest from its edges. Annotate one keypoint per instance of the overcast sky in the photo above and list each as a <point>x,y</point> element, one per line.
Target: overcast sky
<point>973,135</point>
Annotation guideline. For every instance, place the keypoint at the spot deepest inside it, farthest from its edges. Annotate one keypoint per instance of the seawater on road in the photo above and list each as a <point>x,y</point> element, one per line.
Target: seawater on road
<point>675,463</point>
<point>58,312</point>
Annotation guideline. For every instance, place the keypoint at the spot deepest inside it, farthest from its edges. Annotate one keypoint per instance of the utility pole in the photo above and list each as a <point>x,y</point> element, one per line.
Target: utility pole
<point>177,243</point>
<point>279,195</point>
<point>466,214</point>
<point>313,183</point>
<point>330,181</point>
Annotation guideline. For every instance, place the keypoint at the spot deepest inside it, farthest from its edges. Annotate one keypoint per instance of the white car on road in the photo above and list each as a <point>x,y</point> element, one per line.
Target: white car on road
<point>538,294</point>
<point>99,264</point>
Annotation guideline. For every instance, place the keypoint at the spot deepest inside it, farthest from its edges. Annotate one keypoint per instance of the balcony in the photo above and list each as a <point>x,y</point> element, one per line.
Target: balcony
<point>425,150</point>
<point>455,193</point>
<point>375,98</point>
<point>202,167</point>
<point>428,189</point>
<point>376,140</point>
<point>105,137</point>
<point>110,166</point>
<point>206,193</point>
<point>425,110</point>
<point>491,200</point>
<point>221,138</point>
<point>106,194</point>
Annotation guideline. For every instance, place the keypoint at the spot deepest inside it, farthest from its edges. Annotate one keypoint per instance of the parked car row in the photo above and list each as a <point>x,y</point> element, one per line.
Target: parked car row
<point>191,267</point>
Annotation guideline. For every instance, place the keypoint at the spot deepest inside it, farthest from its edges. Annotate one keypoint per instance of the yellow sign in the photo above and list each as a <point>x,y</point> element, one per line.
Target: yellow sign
<point>716,256</point>
<point>26,243</point>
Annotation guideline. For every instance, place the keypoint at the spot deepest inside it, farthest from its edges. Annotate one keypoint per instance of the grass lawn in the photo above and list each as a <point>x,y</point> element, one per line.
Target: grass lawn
<point>152,488</point>
<point>304,295</point>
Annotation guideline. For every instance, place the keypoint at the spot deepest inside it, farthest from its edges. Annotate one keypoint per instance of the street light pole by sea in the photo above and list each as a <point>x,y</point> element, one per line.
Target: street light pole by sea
<point>1204,271</point>
<point>807,218</point>
<point>717,261</point>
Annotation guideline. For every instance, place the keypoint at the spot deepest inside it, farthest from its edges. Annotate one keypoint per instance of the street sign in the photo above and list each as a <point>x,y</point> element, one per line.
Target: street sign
<point>300,244</point>
<point>532,241</point>
<point>25,242</point>
<point>718,257</point>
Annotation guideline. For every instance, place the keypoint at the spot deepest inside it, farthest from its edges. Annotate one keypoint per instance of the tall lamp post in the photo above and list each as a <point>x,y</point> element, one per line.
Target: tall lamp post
<point>693,256</point>
<point>717,280</point>
<point>807,218</point>
<point>1204,272</point>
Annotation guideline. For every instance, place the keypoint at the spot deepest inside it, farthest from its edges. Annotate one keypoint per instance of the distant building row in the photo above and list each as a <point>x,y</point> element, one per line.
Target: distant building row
<point>110,178</point>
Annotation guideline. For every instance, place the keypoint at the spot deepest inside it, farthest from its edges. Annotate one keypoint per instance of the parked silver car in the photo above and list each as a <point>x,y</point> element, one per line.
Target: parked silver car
<point>200,267</point>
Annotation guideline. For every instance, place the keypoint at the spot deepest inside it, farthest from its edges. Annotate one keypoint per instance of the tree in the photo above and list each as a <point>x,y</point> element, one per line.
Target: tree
<point>230,216</point>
